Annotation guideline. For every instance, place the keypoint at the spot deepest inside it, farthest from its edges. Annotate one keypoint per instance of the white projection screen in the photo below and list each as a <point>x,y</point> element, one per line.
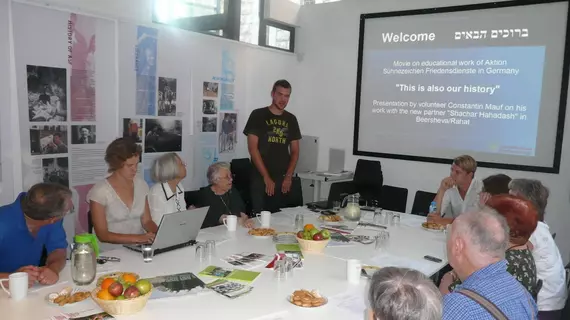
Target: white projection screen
<point>488,80</point>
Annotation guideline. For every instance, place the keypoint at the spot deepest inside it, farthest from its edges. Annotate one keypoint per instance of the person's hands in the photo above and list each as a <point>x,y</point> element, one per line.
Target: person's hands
<point>146,238</point>
<point>437,219</point>
<point>47,276</point>
<point>446,183</point>
<point>222,217</point>
<point>269,186</point>
<point>33,274</point>
<point>446,281</point>
<point>432,215</point>
<point>483,198</point>
<point>286,186</point>
<point>247,222</point>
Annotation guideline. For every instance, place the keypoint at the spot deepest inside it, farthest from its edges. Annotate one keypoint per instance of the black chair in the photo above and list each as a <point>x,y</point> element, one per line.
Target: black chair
<point>422,201</point>
<point>393,198</point>
<point>241,170</point>
<point>368,180</point>
<point>536,289</point>
<point>89,222</point>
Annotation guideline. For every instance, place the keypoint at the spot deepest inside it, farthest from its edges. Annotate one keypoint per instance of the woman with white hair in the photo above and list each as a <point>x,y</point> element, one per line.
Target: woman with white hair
<point>403,294</point>
<point>221,197</point>
<point>167,195</point>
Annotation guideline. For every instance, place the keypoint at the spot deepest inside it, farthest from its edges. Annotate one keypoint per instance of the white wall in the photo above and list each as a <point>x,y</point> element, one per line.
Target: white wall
<point>327,42</point>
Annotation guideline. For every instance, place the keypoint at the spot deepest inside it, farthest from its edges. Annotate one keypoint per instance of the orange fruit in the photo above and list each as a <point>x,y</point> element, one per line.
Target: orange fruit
<point>106,283</point>
<point>104,294</point>
<point>308,227</point>
<point>129,278</point>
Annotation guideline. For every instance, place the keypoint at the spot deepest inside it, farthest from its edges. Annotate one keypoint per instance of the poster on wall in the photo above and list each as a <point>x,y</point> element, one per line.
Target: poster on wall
<point>81,33</point>
<point>227,132</point>
<point>146,52</point>
<point>166,96</point>
<point>48,139</point>
<point>47,93</point>
<point>162,135</point>
<point>209,107</point>
<point>56,170</point>
<point>83,134</point>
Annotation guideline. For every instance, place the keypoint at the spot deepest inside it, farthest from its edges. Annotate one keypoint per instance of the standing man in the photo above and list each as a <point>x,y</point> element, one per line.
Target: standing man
<point>28,225</point>
<point>273,136</point>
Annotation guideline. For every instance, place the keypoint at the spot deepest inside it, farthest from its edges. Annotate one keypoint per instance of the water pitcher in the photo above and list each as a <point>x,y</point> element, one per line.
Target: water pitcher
<point>352,207</point>
<point>84,259</point>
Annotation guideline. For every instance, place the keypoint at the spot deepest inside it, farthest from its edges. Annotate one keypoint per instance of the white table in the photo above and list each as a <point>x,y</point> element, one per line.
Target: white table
<point>318,178</point>
<point>325,272</point>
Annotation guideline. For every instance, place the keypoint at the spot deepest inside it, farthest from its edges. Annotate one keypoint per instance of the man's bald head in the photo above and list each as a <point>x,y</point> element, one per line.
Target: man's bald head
<point>484,235</point>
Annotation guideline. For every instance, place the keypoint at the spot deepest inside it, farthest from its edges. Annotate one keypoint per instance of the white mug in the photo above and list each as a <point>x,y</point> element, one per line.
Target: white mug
<point>265,218</point>
<point>18,283</point>
<point>230,222</point>
<point>353,270</point>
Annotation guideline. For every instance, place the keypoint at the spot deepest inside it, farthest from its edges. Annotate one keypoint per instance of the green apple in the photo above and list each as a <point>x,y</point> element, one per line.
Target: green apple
<point>313,232</point>
<point>326,234</point>
<point>143,285</point>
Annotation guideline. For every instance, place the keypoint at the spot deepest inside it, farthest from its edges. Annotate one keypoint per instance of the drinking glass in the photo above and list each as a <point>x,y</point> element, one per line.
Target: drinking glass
<point>382,240</point>
<point>299,222</point>
<point>280,269</point>
<point>395,219</point>
<point>200,252</point>
<point>147,252</point>
<point>336,206</point>
<point>378,218</point>
<point>210,248</point>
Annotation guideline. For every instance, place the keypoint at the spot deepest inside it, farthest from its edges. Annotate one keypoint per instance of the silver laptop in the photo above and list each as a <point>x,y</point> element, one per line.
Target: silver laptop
<point>177,230</point>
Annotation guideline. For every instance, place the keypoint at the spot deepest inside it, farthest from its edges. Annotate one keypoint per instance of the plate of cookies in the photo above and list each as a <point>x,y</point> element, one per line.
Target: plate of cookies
<point>307,299</point>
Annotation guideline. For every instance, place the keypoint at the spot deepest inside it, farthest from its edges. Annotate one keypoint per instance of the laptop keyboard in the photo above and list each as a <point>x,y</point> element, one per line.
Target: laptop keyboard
<point>163,250</point>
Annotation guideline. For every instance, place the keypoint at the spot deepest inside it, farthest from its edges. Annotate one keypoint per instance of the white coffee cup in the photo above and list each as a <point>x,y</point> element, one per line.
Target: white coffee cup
<point>353,269</point>
<point>265,218</point>
<point>18,283</point>
<point>230,222</point>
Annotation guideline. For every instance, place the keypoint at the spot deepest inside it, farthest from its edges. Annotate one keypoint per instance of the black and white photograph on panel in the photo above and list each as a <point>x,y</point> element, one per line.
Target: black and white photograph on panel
<point>210,89</point>
<point>228,130</point>
<point>209,106</point>
<point>83,134</point>
<point>209,124</point>
<point>163,135</point>
<point>56,170</point>
<point>133,128</point>
<point>47,94</point>
<point>48,140</point>
<point>166,96</point>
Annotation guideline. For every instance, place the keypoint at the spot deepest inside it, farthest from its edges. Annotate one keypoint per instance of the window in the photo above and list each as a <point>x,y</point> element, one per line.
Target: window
<point>240,20</point>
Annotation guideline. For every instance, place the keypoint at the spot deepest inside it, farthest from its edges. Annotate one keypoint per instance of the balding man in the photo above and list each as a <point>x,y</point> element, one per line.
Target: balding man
<point>476,250</point>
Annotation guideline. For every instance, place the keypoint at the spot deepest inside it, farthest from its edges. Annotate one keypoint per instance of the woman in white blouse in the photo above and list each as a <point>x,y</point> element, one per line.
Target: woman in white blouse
<point>118,203</point>
<point>167,195</point>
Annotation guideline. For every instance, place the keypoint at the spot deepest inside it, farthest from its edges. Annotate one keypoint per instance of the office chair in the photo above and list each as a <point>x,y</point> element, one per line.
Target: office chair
<point>368,180</point>
<point>393,198</point>
<point>422,200</point>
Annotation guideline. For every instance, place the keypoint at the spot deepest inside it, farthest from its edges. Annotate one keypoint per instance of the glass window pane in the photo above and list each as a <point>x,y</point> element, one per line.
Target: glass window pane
<point>278,38</point>
<point>249,21</point>
<point>168,10</point>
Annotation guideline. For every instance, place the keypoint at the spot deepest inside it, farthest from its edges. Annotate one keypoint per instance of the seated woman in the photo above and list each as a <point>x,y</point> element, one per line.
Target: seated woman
<point>118,203</point>
<point>522,217</point>
<point>221,197</point>
<point>492,186</point>
<point>167,195</point>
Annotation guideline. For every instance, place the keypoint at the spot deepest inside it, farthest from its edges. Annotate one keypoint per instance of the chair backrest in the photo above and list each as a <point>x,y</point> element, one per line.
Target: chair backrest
<point>337,189</point>
<point>191,197</point>
<point>422,200</point>
<point>394,198</point>
<point>368,179</point>
<point>89,222</point>
<point>241,170</point>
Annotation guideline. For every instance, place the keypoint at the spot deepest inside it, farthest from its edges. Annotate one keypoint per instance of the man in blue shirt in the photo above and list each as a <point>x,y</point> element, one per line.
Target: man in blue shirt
<point>31,223</point>
<point>476,250</point>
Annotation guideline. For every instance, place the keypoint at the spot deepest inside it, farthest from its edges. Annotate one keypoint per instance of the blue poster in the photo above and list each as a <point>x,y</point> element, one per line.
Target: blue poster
<point>145,67</point>
<point>228,78</point>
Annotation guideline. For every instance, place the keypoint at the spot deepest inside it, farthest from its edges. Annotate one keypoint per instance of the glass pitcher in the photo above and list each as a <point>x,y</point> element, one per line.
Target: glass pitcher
<point>352,207</point>
<point>84,259</point>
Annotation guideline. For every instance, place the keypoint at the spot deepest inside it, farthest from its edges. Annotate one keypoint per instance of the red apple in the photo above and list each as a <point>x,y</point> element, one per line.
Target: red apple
<point>116,289</point>
<point>132,292</point>
<point>300,234</point>
<point>318,236</point>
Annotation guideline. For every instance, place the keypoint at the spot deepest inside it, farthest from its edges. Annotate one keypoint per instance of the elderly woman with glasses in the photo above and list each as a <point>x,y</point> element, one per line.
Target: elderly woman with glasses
<point>222,198</point>
<point>167,195</point>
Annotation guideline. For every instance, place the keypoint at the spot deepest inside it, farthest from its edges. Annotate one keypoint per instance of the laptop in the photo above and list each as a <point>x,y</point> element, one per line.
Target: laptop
<point>176,230</point>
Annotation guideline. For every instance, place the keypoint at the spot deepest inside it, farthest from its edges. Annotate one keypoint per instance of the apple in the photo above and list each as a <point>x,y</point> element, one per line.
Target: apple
<point>143,285</point>
<point>313,232</point>
<point>121,297</point>
<point>318,236</point>
<point>116,289</point>
<point>326,234</point>
<point>132,292</point>
<point>300,234</point>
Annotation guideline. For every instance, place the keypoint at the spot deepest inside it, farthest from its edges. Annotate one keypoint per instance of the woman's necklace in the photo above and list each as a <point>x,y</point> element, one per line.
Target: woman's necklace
<point>224,202</point>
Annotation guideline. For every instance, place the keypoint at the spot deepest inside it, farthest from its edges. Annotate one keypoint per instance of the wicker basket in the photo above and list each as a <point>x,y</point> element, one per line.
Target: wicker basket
<point>121,307</point>
<point>313,246</point>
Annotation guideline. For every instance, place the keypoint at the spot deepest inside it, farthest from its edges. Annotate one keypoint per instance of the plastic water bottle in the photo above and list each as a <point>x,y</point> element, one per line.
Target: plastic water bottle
<point>433,207</point>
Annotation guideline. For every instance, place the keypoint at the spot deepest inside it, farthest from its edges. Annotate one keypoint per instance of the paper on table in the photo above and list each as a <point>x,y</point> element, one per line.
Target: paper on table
<point>352,301</point>
<point>274,316</point>
<point>388,260</point>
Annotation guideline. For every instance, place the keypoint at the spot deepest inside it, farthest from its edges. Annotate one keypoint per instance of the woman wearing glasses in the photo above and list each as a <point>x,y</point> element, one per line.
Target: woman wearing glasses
<point>167,195</point>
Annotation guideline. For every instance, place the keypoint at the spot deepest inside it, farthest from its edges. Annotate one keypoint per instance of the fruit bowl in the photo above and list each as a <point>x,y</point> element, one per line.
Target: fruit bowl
<point>313,246</point>
<point>121,307</point>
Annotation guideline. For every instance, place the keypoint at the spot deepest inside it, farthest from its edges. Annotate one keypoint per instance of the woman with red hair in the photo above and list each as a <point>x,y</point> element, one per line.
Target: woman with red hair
<point>522,218</point>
